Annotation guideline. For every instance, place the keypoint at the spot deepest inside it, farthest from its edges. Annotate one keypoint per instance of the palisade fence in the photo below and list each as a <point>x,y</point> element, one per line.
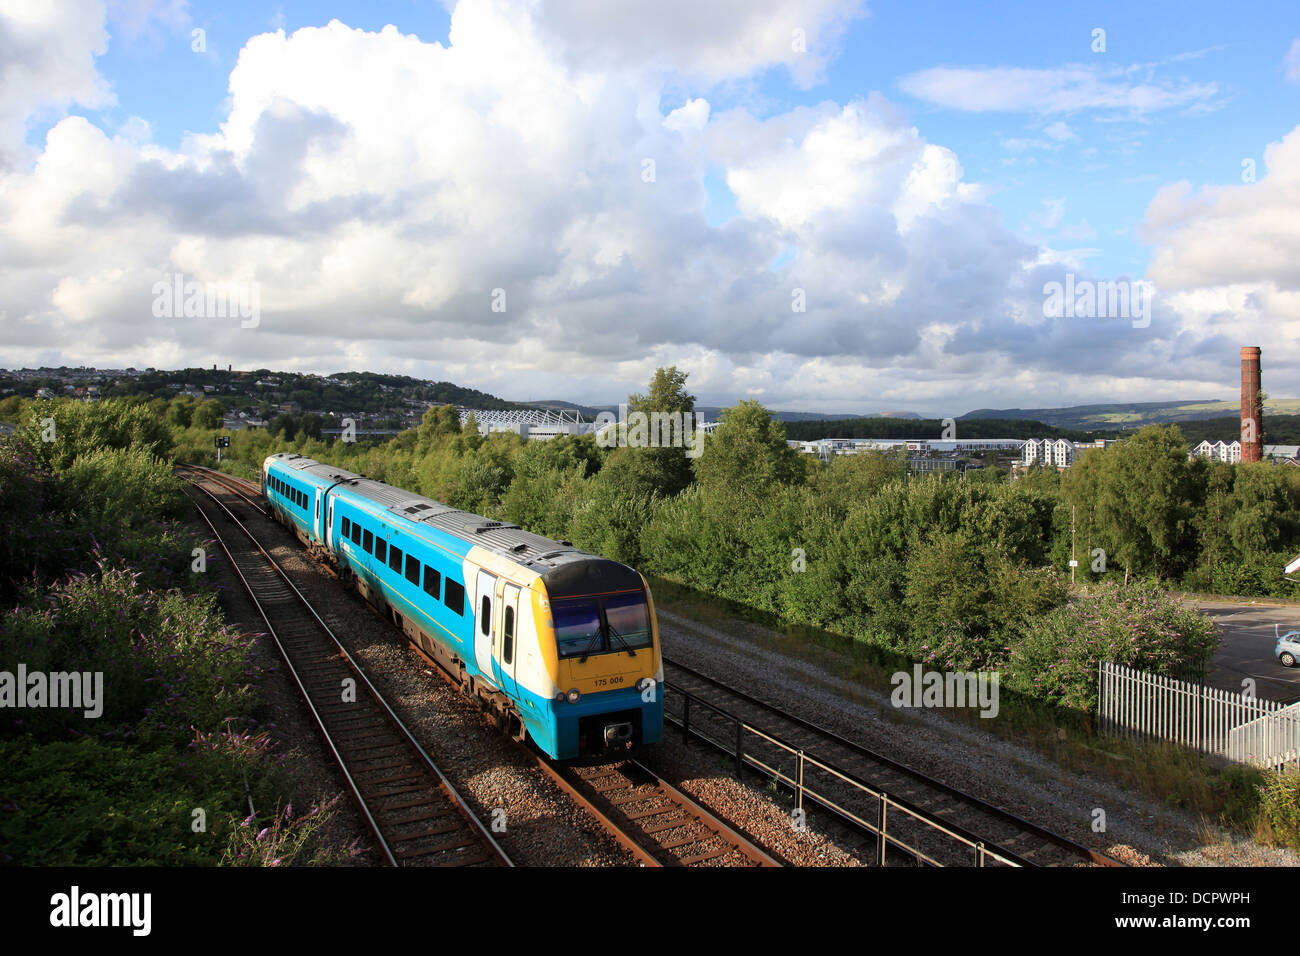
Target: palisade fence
<point>1265,733</point>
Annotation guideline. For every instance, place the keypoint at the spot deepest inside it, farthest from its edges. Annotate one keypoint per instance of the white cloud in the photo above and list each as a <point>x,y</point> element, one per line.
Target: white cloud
<point>47,64</point>
<point>380,206</point>
<point>692,116</point>
<point>1060,131</point>
<point>1061,90</point>
<point>717,40</point>
<point>1291,62</point>
<point>1227,258</point>
<point>1053,212</point>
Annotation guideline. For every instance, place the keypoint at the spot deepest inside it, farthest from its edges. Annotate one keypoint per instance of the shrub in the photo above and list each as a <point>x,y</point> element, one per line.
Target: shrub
<point>94,803</point>
<point>1279,809</point>
<point>1140,626</point>
<point>167,659</point>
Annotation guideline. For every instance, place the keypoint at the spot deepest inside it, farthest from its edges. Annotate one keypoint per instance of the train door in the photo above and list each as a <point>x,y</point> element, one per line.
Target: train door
<point>507,643</point>
<point>317,523</point>
<point>329,523</point>
<point>485,624</point>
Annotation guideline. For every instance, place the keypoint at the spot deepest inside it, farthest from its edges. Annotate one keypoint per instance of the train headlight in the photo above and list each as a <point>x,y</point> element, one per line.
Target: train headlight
<point>572,696</point>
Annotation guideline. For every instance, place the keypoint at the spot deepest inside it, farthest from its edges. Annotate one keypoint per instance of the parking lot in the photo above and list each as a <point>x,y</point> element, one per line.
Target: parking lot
<point>1247,648</point>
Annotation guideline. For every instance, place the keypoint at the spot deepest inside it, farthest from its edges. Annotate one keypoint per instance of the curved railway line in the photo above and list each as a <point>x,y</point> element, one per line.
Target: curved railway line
<point>414,812</point>
<point>930,822</point>
<point>656,823</point>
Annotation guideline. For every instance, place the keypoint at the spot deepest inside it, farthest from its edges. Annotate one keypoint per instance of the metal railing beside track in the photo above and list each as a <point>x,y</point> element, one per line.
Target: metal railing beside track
<point>981,852</point>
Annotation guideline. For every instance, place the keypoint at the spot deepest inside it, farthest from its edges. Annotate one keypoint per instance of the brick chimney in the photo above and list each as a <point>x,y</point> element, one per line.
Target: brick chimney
<point>1252,406</point>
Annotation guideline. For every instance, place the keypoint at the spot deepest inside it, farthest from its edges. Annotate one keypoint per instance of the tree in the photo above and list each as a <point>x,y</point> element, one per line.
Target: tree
<point>208,415</point>
<point>657,470</point>
<point>748,452</point>
<point>439,421</point>
<point>1147,497</point>
<point>469,439</point>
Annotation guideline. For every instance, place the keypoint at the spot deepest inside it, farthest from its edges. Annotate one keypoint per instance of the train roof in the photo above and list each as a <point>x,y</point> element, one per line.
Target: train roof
<point>564,569</point>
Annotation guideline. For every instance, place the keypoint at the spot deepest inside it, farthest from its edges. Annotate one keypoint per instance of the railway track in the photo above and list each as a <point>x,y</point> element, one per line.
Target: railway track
<point>931,822</point>
<point>414,812</point>
<point>847,777</point>
<point>654,821</point>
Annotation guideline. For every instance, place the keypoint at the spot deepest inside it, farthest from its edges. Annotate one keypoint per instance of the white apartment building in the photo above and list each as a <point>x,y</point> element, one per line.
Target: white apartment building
<point>1229,452</point>
<point>1048,452</point>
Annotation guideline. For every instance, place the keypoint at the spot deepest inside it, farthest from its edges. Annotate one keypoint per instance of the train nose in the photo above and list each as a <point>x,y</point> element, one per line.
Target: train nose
<point>619,733</point>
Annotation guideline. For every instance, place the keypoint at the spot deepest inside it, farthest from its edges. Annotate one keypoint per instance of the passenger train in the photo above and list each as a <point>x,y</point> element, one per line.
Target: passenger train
<point>562,646</point>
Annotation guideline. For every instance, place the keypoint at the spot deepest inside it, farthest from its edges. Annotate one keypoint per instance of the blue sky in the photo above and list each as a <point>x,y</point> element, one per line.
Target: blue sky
<point>1064,152</point>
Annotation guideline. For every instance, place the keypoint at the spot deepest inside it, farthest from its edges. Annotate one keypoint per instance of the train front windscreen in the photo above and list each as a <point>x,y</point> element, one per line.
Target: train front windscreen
<point>602,624</point>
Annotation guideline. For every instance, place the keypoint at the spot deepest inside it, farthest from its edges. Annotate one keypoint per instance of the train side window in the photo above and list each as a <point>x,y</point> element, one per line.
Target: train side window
<point>368,541</point>
<point>485,614</point>
<point>453,595</point>
<point>413,569</point>
<point>381,550</point>
<point>317,509</point>
<point>508,648</point>
<point>395,558</point>
<point>356,533</point>
<point>347,528</point>
<point>432,582</point>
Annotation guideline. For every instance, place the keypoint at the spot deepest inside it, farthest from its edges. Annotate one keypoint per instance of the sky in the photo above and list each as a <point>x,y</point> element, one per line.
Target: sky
<point>824,205</point>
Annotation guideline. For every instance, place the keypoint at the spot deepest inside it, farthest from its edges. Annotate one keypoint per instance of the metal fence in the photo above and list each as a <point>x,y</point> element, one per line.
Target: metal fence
<point>1234,726</point>
<point>893,820</point>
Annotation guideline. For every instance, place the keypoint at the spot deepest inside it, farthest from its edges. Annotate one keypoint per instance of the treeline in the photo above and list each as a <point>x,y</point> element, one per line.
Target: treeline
<point>934,428</point>
<point>1277,430</point>
<point>102,576</point>
<point>367,392</point>
<point>958,574</point>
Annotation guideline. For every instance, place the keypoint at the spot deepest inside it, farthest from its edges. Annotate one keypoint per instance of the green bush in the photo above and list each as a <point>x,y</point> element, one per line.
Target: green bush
<point>94,803</point>
<point>81,428</point>
<point>1139,626</point>
<point>1279,809</point>
<point>167,659</point>
<point>113,488</point>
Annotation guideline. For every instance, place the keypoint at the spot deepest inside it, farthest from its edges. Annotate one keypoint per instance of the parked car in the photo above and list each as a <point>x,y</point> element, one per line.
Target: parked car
<point>1288,648</point>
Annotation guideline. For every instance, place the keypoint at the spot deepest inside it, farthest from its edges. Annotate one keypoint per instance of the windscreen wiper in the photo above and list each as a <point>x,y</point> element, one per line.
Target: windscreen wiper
<point>591,644</point>
<point>619,637</point>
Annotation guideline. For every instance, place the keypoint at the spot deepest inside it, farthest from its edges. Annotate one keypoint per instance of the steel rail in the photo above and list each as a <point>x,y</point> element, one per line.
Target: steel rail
<point>450,793</point>
<point>976,803</point>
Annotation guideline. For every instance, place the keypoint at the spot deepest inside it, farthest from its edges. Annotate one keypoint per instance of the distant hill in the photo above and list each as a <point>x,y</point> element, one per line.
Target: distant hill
<point>931,428</point>
<point>1133,414</point>
<point>709,412</point>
